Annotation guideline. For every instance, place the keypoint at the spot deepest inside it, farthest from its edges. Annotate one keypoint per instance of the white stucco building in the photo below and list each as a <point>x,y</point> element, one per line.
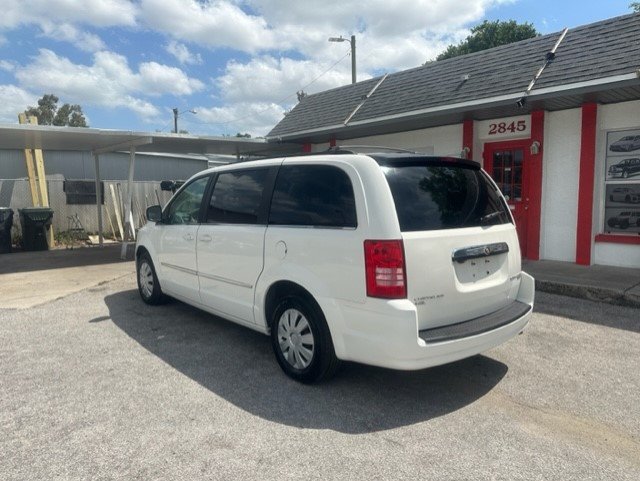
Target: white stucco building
<point>554,119</point>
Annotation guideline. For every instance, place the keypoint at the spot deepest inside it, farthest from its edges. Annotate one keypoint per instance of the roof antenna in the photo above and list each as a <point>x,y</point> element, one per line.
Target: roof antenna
<point>548,59</point>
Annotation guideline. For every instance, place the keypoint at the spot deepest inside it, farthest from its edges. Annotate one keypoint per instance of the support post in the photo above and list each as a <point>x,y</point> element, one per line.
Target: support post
<point>535,187</point>
<point>96,160</point>
<point>584,236</point>
<point>129,233</point>
<point>31,170</point>
<point>467,137</point>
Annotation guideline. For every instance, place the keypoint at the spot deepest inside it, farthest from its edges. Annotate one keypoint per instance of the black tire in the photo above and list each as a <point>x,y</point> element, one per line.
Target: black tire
<point>323,362</point>
<point>151,294</point>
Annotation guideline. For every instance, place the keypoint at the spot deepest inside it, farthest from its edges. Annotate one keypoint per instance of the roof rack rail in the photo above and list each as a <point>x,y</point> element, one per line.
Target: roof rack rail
<point>357,149</point>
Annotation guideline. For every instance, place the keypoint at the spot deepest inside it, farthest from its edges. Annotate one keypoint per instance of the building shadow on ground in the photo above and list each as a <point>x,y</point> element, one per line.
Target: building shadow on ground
<point>591,312</point>
<point>238,365</point>
<point>21,261</point>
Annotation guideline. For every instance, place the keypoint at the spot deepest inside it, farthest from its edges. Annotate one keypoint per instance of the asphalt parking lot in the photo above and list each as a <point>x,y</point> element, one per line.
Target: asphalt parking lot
<point>97,385</point>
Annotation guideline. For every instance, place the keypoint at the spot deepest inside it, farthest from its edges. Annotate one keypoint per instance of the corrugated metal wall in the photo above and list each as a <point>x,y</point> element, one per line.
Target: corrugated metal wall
<point>113,166</point>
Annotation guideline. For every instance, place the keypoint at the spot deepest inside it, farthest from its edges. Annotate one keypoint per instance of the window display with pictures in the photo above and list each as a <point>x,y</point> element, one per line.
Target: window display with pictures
<point>622,182</point>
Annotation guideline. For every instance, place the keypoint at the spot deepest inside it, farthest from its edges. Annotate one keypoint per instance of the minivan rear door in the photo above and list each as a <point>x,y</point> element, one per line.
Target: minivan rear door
<point>461,248</point>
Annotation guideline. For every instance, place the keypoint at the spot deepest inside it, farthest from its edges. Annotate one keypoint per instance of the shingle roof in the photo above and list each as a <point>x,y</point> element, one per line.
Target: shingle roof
<point>603,49</point>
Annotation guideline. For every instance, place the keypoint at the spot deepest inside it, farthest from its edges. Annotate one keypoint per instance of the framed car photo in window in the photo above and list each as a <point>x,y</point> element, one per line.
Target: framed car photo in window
<point>625,142</point>
<point>622,182</point>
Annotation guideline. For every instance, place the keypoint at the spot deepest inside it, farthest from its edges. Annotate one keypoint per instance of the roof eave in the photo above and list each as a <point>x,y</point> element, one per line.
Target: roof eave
<point>577,88</point>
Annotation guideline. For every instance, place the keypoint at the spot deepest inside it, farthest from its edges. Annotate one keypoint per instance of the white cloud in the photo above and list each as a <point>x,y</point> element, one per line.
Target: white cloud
<point>391,35</point>
<point>59,19</point>
<point>270,79</point>
<point>252,117</point>
<point>14,100</point>
<point>7,66</point>
<point>182,53</point>
<point>109,82</point>
<point>157,79</point>
<point>211,24</point>
<point>96,13</point>
<point>67,32</point>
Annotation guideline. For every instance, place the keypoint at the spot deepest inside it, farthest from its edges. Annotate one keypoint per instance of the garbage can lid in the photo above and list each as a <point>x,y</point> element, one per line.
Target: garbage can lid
<point>36,214</point>
<point>36,209</point>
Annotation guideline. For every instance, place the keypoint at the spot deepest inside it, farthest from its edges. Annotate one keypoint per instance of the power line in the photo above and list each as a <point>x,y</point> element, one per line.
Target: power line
<point>204,122</point>
<point>282,99</point>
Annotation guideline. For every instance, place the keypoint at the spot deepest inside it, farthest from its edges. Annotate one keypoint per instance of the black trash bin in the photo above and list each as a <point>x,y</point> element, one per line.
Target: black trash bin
<point>36,221</point>
<point>6,222</point>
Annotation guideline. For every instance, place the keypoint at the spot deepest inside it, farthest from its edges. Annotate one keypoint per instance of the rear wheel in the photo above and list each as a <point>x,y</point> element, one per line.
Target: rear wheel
<point>301,340</point>
<point>148,285</point>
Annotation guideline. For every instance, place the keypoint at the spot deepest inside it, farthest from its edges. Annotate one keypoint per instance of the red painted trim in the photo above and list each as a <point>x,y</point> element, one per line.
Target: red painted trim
<point>467,136</point>
<point>586,183</point>
<point>618,239</point>
<point>332,142</point>
<point>306,147</point>
<point>535,186</point>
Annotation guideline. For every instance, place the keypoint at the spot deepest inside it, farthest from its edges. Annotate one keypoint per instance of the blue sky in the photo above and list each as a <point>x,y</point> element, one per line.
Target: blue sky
<point>237,63</point>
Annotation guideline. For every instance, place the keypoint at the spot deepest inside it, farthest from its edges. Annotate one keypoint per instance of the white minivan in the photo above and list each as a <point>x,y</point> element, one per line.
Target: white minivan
<point>397,260</point>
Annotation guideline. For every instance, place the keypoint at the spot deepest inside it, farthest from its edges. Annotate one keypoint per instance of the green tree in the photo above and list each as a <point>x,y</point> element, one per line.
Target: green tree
<point>48,113</point>
<point>635,6</point>
<point>246,136</point>
<point>488,35</point>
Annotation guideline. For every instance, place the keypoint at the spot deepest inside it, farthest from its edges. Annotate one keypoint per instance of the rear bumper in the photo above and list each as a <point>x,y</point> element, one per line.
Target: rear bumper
<point>389,337</point>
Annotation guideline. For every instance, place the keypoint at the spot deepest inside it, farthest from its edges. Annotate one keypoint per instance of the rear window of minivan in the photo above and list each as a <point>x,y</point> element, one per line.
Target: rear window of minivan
<point>434,196</point>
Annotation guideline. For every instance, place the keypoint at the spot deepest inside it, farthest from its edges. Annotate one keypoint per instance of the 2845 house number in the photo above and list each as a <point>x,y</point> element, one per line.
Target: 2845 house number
<point>504,127</point>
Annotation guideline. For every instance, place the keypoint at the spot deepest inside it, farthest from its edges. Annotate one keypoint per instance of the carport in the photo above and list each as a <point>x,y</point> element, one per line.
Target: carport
<point>101,141</point>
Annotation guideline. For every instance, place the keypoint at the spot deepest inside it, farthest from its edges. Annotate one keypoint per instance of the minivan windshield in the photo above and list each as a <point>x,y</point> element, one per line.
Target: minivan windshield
<point>433,196</point>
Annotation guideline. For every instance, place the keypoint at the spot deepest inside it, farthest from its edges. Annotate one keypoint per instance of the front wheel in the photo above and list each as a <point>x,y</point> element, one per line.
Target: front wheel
<point>301,340</point>
<point>148,285</point>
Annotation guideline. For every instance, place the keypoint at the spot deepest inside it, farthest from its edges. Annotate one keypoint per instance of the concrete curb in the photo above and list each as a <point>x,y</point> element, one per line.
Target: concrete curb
<point>628,297</point>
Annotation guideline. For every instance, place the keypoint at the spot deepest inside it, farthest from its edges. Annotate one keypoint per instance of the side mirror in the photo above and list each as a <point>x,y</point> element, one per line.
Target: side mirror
<point>154,213</point>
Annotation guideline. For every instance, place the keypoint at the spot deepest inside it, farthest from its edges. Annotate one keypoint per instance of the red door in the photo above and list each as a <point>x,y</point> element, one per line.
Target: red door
<point>508,164</point>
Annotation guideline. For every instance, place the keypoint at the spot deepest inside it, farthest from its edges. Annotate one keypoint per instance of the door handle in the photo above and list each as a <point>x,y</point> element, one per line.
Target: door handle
<point>206,238</point>
<point>188,237</point>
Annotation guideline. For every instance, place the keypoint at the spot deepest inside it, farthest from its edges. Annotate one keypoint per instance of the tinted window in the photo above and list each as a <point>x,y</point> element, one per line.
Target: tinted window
<point>431,197</point>
<point>313,195</point>
<point>237,197</point>
<point>185,207</point>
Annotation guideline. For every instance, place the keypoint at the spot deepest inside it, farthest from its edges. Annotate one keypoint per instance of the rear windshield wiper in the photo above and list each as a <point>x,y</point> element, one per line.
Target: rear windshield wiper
<point>488,217</point>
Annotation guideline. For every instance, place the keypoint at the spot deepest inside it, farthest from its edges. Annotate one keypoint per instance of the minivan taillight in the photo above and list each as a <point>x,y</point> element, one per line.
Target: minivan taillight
<point>385,269</point>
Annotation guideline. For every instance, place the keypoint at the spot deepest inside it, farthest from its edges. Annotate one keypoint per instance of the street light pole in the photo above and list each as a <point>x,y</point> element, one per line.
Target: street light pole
<point>353,53</point>
<point>353,59</point>
<point>176,114</point>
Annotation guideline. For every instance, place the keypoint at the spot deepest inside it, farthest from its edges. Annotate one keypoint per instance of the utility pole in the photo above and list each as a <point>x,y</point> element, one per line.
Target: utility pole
<point>175,120</point>
<point>353,59</point>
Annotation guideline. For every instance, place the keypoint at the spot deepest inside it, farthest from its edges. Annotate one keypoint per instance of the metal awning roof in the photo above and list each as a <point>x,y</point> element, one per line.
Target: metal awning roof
<point>44,137</point>
<point>100,141</point>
